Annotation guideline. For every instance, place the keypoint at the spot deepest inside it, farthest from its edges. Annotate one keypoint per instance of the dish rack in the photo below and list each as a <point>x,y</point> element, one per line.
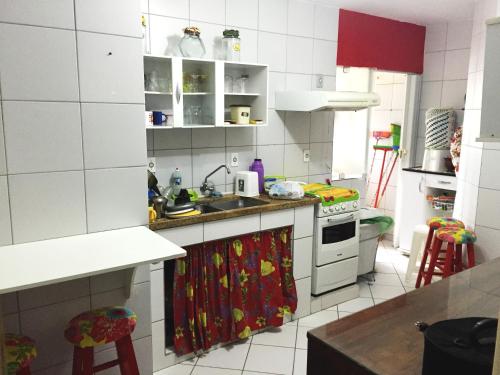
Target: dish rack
<point>442,202</point>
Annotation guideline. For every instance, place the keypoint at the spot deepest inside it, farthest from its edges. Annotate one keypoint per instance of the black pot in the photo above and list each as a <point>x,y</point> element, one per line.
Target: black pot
<point>459,346</point>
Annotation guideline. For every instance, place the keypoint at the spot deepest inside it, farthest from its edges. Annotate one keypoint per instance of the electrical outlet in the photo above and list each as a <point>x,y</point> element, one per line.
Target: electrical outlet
<point>152,165</point>
<point>307,156</point>
<point>320,81</point>
<point>235,159</point>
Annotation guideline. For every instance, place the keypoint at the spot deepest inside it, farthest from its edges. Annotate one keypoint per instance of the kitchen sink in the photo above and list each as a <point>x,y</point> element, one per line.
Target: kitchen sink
<point>237,203</point>
<point>206,209</point>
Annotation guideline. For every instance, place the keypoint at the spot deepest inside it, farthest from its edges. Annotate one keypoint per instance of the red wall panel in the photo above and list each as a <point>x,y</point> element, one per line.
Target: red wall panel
<point>382,43</point>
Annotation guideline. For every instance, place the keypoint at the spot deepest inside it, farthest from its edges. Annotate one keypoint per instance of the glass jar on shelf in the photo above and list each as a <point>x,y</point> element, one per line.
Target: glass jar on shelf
<point>228,84</point>
<point>231,45</point>
<point>191,44</point>
<point>240,85</point>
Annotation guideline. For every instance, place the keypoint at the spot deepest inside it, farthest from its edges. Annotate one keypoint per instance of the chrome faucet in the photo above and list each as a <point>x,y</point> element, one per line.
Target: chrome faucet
<point>209,188</point>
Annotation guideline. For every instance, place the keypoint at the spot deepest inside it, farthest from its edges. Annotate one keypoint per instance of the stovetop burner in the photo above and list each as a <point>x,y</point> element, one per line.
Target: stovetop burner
<point>335,200</point>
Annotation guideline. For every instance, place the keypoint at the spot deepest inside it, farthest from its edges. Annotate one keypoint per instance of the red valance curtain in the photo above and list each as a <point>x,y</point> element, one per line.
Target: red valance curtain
<point>377,42</point>
<point>224,290</point>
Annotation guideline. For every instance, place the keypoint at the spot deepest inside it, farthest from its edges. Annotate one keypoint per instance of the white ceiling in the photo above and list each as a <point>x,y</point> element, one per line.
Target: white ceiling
<point>423,12</point>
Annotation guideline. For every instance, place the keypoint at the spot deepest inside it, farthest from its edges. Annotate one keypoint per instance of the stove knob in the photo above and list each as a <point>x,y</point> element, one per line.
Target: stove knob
<point>337,208</point>
<point>342,206</point>
<point>355,204</point>
<point>331,209</point>
<point>325,210</point>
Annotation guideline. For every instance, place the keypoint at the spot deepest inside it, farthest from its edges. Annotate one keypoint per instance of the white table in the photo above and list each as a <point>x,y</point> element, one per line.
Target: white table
<point>40,263</point>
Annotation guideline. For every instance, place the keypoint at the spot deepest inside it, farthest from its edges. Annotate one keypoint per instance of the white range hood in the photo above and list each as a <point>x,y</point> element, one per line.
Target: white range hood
<point>310,101</point>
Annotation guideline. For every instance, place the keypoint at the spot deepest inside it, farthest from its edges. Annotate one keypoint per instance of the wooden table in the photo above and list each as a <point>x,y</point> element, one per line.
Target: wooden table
<point>384,340</point>
<point>48,262</point>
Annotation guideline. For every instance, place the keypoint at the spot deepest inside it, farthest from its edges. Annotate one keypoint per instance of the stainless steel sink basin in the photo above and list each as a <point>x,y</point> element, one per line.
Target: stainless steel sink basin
<point>237,203</point>
<point>206,209</point>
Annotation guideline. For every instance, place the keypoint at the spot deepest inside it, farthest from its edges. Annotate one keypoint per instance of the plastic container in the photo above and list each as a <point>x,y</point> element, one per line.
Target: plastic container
<point>240,114</point>
<point>231,45</point>
<point>258,167</point>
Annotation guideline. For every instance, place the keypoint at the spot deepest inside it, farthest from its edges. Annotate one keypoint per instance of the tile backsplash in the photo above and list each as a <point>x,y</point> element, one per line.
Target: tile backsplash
<point>298,41</point>
<point>446,66</point>
<point>72,157</point>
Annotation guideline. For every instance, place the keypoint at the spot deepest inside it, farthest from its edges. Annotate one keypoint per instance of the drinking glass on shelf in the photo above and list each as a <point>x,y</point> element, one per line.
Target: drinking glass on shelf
<point>240,85</point>
<point>228,83</point>
<point>153,81</point>
<point>196,114</point>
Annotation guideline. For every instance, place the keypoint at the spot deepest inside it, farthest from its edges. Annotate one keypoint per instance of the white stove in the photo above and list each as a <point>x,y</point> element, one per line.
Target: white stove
<point>336,237</point>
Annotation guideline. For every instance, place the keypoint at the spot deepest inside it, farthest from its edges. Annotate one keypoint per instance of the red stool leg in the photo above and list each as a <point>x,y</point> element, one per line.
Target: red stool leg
<point>77,361</point>
<point>126,356</point>
<point>436,248</point>
<point>24,371</point>
<point>83,361</point>
<point>471,258</point>
<point>459,265</point>
<point>427,250</point>
<point>448,263</point>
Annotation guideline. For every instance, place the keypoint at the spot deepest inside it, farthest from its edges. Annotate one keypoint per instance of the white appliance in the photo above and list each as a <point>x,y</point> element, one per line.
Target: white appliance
<point>310,101</point>
<point>247,184</point>
<point>336,242</point>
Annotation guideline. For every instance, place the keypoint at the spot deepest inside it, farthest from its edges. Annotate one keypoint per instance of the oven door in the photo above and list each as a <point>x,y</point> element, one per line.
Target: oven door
<point>336,238</point>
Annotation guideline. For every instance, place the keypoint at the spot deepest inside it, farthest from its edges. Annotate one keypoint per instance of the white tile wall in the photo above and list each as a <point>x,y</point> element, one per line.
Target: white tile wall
<point>47,192</point>
<point>116,198</point>
<point>44,68</point>
<point>299,54</point>
<point>5,227</point>
<point>171,8</point>
<point>108,72</point>
<point>273,16</point>
<point>104,17</point>
<point>477,192</point>
<point>113,124</point>
<point>244,13</point>
<point>42,136</point>
<point>326,22</point>
<point>47,205</point>
<point>57,13</point>
<point>272,51</point>
<point>300,18</point>
<point>3,162</point>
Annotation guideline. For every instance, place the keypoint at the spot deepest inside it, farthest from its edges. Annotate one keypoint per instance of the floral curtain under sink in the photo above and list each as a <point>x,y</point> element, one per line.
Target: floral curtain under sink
<point>225,289</point>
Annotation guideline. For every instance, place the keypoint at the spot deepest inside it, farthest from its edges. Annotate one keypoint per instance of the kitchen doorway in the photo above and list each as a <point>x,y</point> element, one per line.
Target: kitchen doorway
<point>355,161</point>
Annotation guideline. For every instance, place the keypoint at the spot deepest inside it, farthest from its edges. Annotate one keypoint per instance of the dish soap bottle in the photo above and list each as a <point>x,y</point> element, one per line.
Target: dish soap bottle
<point>258,167</point>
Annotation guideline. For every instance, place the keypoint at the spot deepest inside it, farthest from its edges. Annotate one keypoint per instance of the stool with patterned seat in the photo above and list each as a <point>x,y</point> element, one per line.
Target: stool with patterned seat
<point>100,327</point>
<point>20,351</point>
<point>454,238</point>
<point>434,224</point>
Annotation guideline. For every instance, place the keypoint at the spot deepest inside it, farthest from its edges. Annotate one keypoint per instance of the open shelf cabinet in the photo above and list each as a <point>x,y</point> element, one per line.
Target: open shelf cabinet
<point>193,94</point>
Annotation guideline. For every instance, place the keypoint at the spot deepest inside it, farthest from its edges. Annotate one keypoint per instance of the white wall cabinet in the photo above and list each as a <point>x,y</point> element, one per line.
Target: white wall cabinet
<point>193,93</point>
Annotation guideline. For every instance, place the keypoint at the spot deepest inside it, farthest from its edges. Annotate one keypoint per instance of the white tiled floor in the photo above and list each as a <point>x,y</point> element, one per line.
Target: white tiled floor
<point>284,350</point>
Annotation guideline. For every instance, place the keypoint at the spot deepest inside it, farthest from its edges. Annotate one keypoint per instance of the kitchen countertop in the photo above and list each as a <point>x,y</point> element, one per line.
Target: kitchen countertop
<point>39,263</point>
<point>420,170</point>
<point>384,340</point>
<point>273,205</point>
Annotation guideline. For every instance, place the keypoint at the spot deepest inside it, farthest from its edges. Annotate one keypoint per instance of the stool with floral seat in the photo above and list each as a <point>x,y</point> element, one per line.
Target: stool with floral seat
<point>99,327</point>
<point>20,351</point>
<point>454,238</point>
<point>435,224</point>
